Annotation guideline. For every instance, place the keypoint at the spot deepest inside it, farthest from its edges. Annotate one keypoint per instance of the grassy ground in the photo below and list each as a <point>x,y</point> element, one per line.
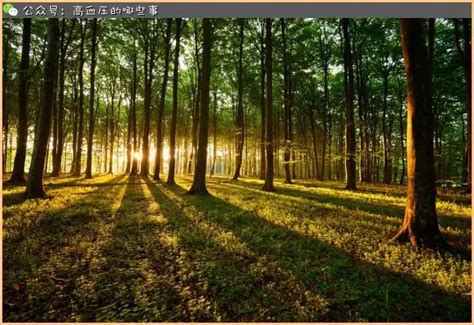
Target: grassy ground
<point>119,248</point>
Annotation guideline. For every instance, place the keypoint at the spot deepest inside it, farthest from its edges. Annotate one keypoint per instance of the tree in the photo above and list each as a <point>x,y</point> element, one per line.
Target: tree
<point>59,143</point>
<point>174,115</point>
<point>262,99</point>
<point>161,107</point>
<point>420,223</point>
<point>133,105</point>
<point>91,100</point>
<point>349,93</point>
<point>268,186</point>
<point>34,188</point>
<point>5,86</point>
<point>239,120</point>
<point>150,41</point>
<point>199,182</point>
<point>80,127</point>
<point>22,129</point>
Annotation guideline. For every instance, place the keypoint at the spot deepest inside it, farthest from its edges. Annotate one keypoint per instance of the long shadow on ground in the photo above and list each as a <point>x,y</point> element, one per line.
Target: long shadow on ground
<point>343,287</point>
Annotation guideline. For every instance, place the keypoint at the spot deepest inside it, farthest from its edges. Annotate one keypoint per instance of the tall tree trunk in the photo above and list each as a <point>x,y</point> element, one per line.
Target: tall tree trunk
<point>128,143</point>
<point>197,96</point>
<point>112,130</point>
<point>420,224</point>
<point>174,115</point>
<point>239,120</point>
<point>349,91</point>
<point>22,129</point>
<point>464,51</point>
<point>34,188</point>
<point>133,170</point>
<point>150,51</point>
<point>161,107</point>
<point>262,102</point>
<point>286,103</point>
<point>77,160</point>
<point>325,56</point>
<point>199,183</point>
<point>268,186</point>
<point>60,107</point>
<point>5,86</point>
<point>74,124</point>
<point>91,100</point>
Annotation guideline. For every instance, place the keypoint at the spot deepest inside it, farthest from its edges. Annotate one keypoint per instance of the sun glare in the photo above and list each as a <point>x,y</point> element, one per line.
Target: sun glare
<point>137,155</point>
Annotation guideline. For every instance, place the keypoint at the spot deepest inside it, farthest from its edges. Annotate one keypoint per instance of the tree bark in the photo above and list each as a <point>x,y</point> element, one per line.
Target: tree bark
<point>34,188</point>
<point>133,170</point>
<point>80,128</point>
<point>262,102</point>
<point>174,115</point>
<point>239,120</point>
<point>420,224</point>
<point>350,165</point>
<point>90,137</point>
<point>149,64</point>
<point>64,44</point>
<point>5,107</point>
<point>199,183</point>
<point>268,186</point>
<point>161,107</point>
<point>18,175</point>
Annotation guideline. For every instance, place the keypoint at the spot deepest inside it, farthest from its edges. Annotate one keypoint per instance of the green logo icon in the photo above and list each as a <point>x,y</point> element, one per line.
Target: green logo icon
<point>10,10</point>
<point>7,7</point>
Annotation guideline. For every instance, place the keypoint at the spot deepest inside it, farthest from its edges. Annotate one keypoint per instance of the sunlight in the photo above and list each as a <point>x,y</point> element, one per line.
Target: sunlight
<point>137,155</point>
<point>166,153</point>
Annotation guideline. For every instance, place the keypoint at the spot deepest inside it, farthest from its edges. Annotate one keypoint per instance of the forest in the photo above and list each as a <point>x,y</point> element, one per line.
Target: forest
<point>206,169</point>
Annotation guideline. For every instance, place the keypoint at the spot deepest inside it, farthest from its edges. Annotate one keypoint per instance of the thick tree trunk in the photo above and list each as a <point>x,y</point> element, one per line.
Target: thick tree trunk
<point>22,129</point>
<point>161,107</point>
<point>420,224</point>
<point>90,137</point>
<point>34,188</point>
<point>349,91</point>
<point>174,115</point>
<point>268,186</point>
<point>199,183</point>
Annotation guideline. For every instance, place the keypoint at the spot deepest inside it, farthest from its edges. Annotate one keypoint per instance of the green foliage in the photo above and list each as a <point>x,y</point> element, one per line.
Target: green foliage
<point>124,248</point>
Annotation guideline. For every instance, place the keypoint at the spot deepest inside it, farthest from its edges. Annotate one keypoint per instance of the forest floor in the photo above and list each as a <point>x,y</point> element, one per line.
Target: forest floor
<point>120,248</point>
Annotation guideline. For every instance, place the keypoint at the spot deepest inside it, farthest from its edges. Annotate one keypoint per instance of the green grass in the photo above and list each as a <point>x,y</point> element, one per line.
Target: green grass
<point>120,248</point>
